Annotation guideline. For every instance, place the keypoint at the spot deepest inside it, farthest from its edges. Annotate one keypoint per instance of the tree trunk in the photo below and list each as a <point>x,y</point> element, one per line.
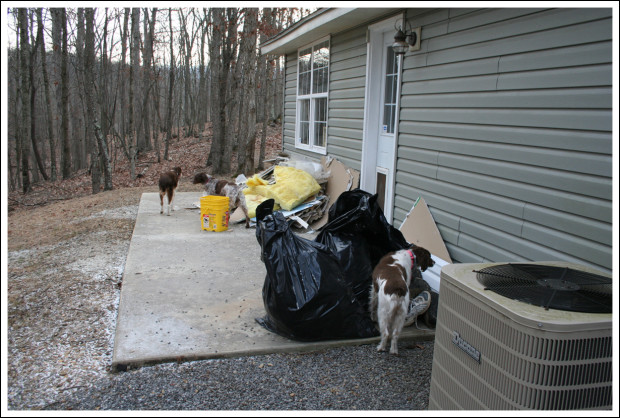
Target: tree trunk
<point>89,96</point>
<point>24,81</point>
<point>264,72</point>
<point>217,91</point>
<point>134,54</point>
<point>223,44</point>
<point>201,97</point>
<point>170,91</point>
<point>33,114</point>
<point>121,81</point>
<point>48,100</point>
<point>64,83</point>
<point>247,142</point>
<point>80,143</point>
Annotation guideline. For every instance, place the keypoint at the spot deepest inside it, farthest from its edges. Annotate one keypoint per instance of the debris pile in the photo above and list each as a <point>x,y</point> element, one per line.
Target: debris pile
<point>302,190</point>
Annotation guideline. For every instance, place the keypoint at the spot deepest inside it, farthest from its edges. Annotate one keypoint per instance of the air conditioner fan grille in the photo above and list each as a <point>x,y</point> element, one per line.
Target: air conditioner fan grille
<point>549,286</point>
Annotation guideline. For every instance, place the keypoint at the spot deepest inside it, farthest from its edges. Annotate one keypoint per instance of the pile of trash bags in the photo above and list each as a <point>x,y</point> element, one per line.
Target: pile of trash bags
<point>319,290</point>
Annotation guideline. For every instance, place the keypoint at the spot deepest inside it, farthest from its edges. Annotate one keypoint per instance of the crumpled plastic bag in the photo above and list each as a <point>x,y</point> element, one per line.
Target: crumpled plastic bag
<point>292,187</point>
<point>318,290</point>
<point>305,295</point>
<point>358,233</point>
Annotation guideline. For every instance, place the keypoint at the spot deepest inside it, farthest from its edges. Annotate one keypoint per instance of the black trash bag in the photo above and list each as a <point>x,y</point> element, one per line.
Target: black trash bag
<point>359,235</point>
<point>304,293</point>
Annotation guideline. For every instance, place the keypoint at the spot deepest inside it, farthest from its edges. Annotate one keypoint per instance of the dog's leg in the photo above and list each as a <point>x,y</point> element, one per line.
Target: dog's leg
<point>244,208</point>
<point>398,321</point>
<point>385,335</point>
<point>161,201</point>
<point>383,316</point>
<point>170,196</point>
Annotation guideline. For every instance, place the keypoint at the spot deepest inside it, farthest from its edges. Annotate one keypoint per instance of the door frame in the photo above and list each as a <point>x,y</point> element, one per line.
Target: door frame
<point>374,81</point>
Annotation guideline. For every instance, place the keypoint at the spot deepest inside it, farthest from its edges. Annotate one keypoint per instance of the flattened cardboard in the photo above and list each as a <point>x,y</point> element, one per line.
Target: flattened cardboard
<point>341,179</point>
<point>419,228</point>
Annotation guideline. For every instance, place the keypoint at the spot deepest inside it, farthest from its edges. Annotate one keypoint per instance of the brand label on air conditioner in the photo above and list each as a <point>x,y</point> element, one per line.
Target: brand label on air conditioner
<point>465,346</point>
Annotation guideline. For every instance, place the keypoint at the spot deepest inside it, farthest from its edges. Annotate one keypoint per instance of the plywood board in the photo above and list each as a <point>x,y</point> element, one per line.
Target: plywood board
<point>419,228</point>
<point>341,179</point>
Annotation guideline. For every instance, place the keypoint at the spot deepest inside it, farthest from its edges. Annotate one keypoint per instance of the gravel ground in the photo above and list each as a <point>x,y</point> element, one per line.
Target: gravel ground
<point>351,378</point>
<point>65,267</point>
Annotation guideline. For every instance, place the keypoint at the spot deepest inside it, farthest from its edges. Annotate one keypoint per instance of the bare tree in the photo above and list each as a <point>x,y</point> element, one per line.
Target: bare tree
<point>64,82</point>
<point>48,100</point>
<point>33,114</point>
<point>134,68</point>
<point>264,71</point>
<point>223,41</point>
<point>170,90</point>
<point>247,142</point>
<point>89,95</point>
<point>24,47</point>
<point>149,79</point>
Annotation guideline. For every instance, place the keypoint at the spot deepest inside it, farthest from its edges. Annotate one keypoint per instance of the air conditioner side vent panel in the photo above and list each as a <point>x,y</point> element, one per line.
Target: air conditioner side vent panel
<point>520,366</point>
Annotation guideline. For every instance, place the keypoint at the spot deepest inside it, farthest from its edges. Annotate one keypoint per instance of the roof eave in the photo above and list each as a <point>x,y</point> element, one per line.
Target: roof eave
<point>319,24</point>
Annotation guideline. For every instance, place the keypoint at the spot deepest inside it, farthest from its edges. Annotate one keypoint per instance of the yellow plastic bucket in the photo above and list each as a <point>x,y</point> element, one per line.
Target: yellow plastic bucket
<point>214,213</point>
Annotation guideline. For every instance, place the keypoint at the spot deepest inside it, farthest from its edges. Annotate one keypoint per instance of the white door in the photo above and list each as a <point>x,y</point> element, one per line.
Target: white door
<point>381,116</point>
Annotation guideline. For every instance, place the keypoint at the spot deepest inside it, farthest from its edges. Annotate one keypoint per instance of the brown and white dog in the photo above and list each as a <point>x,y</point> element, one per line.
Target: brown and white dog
<point>216,187</point>
<point>389,293</point>
<point>168,183</point>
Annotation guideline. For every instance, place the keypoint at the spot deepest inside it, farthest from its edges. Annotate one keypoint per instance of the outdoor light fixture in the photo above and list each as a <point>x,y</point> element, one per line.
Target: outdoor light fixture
<point>400,46</point>
<point>406,40</point>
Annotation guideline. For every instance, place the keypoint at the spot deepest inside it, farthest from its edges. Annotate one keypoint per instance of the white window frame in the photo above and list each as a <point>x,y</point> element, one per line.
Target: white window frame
<point>311,146</point>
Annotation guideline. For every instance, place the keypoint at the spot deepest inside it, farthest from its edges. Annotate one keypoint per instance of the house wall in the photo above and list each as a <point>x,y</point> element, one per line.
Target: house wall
<point>505,129</point>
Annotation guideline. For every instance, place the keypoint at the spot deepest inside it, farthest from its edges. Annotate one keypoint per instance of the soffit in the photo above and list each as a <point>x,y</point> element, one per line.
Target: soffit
<point>321,23</point>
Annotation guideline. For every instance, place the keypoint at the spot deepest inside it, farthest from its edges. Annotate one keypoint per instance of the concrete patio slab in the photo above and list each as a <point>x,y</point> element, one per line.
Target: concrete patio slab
<point>190,294</point>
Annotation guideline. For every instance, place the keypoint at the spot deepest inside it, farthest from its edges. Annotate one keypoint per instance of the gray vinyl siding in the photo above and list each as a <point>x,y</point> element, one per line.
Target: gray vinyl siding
<point>346,97</point>
<point>505,131</point>
<point>347,84</point>
<point>290,95</point>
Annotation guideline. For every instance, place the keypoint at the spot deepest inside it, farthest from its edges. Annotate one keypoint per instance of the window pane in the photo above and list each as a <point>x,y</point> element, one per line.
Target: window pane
<point>304,84</point>
<point>304,121</point>
<point>392,61</point>
<point>304,128</point>
<point>388,118</point>
<point>304,60</point>
<point>320,124</point>
<point>320,63</point>
<point>321,55</point>
<point>389,87</point>
<point>391,90</point>
<point>320,132</point>
<point>304,110</point>
<point>304,71</point>
<point>320,109</point>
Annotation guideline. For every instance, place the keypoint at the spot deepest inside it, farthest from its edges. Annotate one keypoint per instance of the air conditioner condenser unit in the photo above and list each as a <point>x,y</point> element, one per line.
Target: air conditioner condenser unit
<point>522,336</point>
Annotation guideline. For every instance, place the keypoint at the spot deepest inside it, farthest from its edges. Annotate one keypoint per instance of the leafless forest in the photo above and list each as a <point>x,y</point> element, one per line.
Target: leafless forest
<point>92,88</point>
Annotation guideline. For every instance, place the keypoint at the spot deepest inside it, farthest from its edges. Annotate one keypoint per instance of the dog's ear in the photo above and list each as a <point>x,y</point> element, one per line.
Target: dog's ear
<point>423,258</point>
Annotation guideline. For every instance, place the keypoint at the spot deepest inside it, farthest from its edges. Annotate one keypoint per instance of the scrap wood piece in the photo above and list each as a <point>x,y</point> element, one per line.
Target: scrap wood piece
<point>341,179</point>
<point>419,228</point>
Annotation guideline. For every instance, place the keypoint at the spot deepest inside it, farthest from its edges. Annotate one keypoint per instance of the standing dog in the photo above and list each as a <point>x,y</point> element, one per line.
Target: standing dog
<point>389,293</point>
<point>168,183</point>
<point>216,187</point>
